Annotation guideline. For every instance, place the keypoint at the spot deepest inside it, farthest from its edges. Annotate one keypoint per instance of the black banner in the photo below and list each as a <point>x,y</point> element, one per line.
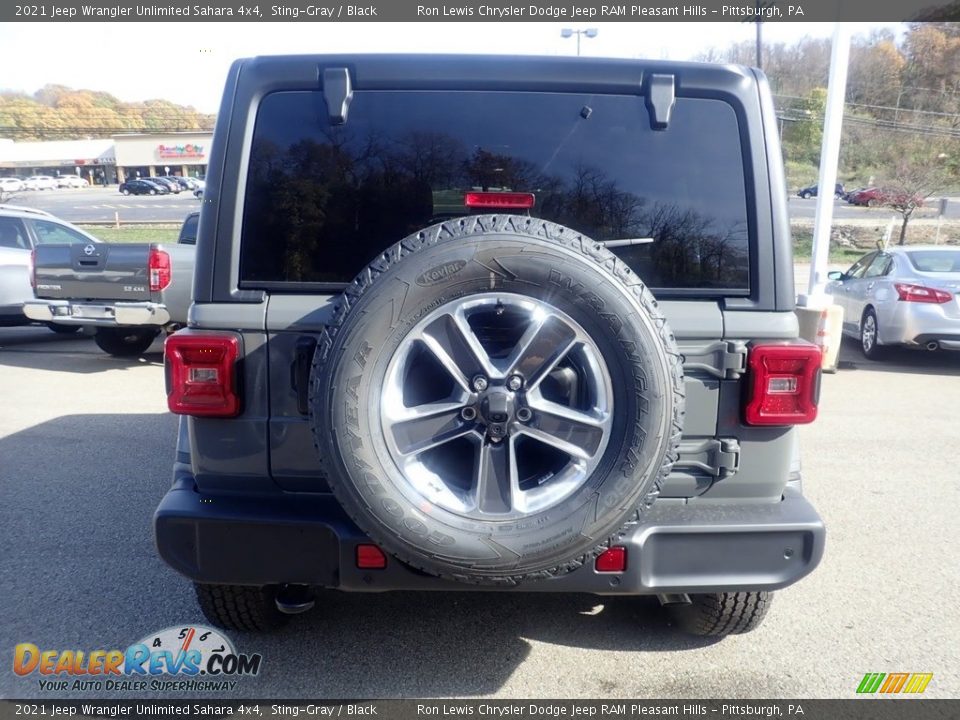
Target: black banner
<point>860,709</point>
<point>488,11</point>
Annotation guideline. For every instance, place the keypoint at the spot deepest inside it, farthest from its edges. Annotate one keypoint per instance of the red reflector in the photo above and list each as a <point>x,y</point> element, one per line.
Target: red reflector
<point>612,560</point>
<point>201,374</point>
<point>159,267</point>
<point>499,200</point>
<point>921,294</point>
<point>370,557</point>
<point>784,384</point>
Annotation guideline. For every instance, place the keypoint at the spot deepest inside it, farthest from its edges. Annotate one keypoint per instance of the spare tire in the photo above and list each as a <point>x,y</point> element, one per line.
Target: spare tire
<point>496,399</point>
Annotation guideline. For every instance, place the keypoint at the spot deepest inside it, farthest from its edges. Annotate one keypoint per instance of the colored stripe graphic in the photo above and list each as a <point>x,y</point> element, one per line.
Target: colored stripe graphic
<point>918,682</point>
<point>870,682</point>
<point>894,683</point>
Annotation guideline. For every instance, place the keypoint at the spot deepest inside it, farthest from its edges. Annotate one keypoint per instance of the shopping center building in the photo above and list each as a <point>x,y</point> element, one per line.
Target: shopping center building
<point>109,160</point>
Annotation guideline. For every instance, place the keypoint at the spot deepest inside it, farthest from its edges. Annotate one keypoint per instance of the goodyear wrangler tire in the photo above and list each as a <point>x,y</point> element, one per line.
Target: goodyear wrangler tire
<point>496,399</point>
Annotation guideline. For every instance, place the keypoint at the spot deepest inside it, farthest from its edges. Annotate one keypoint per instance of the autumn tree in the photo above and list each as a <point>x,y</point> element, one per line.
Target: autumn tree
<point>915,171</point>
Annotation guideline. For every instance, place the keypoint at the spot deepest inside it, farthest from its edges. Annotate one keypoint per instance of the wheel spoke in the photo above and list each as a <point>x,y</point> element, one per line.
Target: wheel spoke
<point>496,478</point>
<point>452,342</point>
<point>572,431</point>
<point>542,346</point>
<point>427,426</point>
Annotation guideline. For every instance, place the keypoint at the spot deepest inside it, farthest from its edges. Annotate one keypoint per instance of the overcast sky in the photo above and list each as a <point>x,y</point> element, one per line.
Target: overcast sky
<point>187,62</point>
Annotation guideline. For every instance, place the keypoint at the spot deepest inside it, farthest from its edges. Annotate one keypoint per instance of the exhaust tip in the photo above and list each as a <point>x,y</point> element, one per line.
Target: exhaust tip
<point>933,345</point>
<point>295,599</point>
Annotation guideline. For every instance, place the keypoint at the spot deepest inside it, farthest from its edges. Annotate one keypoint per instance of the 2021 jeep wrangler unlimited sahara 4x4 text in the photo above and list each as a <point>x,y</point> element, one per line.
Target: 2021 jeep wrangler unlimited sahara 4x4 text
<point>491,323</point>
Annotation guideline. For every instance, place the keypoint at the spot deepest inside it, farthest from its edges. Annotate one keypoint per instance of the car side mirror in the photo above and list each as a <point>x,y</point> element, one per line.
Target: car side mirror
<point>835,275</point>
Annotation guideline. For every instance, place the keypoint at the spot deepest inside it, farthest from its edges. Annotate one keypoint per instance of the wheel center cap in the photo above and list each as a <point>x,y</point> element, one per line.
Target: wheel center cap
<point>497,406</point>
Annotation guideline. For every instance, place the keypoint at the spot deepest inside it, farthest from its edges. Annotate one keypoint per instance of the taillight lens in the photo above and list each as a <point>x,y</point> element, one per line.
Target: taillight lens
<point>33,268</point>
<point>159,267</point>
<point>919,293</point>
<point>500,200</point>
<point>201,374</point>
<point>784,384</point>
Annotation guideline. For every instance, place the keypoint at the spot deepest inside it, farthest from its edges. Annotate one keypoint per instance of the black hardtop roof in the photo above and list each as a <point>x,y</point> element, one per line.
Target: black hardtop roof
<point>383,71</point>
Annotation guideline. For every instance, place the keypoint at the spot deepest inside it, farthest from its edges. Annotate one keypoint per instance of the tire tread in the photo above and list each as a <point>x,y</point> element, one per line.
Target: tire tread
<point>597,254</point>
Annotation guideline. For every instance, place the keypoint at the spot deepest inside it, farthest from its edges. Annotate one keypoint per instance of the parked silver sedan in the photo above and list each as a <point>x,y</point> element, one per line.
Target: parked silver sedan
<point>901,296</point>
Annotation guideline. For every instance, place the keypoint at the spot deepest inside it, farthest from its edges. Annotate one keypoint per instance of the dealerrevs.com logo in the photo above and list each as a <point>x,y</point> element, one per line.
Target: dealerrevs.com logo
<point>182,658</point>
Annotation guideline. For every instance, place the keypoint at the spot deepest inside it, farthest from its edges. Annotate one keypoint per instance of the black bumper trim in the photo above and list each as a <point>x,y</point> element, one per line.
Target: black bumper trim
<point>308,539</point>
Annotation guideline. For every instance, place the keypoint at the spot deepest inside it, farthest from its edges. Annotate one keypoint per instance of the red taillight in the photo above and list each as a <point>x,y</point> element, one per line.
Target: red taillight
<point>33,268</point>
<point>201,374</point>
<point>784,384</point>
<point>159,267</point>
<point>499,200</point>
<point>921,294</point>
<point>370,557</point>
<point>612,560</point>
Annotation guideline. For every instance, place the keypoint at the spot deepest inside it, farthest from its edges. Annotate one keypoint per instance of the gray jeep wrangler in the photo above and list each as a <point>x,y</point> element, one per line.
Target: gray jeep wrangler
<point>492,323</point>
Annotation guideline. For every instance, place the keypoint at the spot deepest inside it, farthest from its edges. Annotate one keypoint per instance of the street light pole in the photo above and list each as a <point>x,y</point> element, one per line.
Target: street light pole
<point>568,32</point>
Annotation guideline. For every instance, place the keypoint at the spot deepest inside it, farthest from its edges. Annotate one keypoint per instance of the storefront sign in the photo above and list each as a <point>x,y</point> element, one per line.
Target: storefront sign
<point>180,152</point>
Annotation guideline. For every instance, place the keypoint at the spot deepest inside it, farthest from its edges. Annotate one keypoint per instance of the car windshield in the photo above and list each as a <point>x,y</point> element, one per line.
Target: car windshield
<point>935,261</point>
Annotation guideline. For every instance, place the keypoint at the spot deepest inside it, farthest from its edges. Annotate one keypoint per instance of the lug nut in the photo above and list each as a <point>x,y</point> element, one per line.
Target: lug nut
<point>480,383</point>
<point>524,414</point>
<point>515,383</point>
<point>468,413</point>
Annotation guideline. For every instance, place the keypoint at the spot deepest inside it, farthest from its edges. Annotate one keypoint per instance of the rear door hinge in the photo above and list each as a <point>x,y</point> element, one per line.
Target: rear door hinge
<point>724,359</point>
<point>719,457</point>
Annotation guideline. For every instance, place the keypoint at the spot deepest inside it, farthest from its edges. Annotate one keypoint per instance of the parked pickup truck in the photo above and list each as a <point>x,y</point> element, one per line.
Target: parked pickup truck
<point>129,292</point>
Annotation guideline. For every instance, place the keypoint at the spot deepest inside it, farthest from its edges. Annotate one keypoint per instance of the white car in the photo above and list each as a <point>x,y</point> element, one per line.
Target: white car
<point>72,181</point>
<point>40,182</point>
<point>20,230</point>
<point>11,184</point>
<point>901,296</point>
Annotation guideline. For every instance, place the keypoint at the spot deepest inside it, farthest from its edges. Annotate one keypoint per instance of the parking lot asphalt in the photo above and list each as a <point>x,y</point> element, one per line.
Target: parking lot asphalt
<point>85,455</point>
<point>98,204</point>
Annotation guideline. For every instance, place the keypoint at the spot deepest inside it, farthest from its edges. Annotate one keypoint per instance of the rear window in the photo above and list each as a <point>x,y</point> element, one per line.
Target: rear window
<point>946,261</point>
<point>322,201</point>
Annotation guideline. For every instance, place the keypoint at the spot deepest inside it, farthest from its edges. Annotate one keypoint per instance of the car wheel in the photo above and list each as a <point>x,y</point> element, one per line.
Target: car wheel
<point>869,333</point>
<point>805,196</point>
<point>152,192</point>
<point>496,399</point>
<point>125,191</point>
<point>64,329</point>
<point>722,614</point>
<point>240,607</point>
<point>125,342</point>
<point>872,202</point>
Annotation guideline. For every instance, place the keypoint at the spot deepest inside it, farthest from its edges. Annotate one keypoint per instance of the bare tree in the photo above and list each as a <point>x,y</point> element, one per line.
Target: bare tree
<point>915,175</point>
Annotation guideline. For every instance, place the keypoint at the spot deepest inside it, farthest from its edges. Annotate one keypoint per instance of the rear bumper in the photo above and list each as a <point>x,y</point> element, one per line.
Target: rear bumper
<point>72,312</point>
<point>307,539</point>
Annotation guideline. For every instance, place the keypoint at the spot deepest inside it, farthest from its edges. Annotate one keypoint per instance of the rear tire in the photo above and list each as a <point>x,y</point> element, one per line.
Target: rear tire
<point>722,614</point>
<point>124,192</point>
<point>869,336</point>
<point>125,342</point>
<point>240,607</point>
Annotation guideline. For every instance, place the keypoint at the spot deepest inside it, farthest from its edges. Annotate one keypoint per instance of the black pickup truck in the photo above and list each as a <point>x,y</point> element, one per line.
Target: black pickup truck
<point>130,292</point>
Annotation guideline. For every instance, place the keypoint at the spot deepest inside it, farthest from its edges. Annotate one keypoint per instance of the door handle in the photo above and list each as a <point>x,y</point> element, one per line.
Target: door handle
<point>870,286</point>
